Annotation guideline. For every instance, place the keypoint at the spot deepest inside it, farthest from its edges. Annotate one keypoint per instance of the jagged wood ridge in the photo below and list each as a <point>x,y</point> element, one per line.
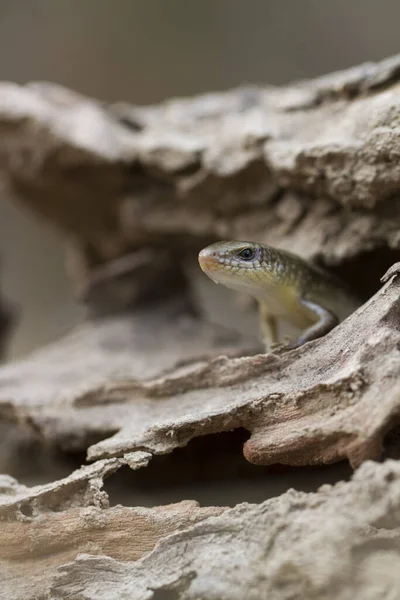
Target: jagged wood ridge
<point>312,167</point>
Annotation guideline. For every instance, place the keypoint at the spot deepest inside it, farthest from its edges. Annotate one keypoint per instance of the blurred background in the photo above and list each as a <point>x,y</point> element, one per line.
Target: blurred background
<point>143,52</point>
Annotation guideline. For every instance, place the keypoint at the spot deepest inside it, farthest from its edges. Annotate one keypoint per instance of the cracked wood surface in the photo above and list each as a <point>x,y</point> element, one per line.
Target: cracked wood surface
<point>62,540</point>
<point>69,391</point>
<point>280,165</point>
<point>317,404</point>
<point>311,167</point>
<point>341,542</point>
<point>46,526</point>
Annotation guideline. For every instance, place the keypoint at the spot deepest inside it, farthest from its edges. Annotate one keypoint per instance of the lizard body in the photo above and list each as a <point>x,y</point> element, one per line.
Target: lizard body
<point>285,285</point>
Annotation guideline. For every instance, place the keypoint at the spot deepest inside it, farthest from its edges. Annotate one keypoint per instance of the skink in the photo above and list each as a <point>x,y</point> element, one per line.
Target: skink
<point>286,287</point>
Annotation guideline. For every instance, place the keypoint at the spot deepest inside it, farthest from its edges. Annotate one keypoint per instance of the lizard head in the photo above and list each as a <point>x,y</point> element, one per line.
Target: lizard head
<point>241,266</point>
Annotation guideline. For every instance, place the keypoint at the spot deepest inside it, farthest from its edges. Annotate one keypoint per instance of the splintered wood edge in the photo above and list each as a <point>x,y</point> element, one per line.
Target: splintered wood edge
<point>48,525</point>
<point>271,548</point>
<point>310,406</point>
<point>296,419</point>
<point>184,548</point>
<point>314,405</point>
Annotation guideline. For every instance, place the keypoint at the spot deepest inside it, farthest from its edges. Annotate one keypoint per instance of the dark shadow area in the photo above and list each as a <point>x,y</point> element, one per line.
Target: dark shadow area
<point>25,456</point>
<point>212,470</point>
<point>391,444</point>
<point>363,272</point>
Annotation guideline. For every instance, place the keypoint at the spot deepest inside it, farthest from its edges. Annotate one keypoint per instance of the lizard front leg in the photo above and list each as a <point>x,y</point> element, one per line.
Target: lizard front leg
<point>269,327</point>
<point>326,321</point>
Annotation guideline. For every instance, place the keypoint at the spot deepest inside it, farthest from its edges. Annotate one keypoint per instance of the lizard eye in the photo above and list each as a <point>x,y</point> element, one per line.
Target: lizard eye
<point>247,253</point>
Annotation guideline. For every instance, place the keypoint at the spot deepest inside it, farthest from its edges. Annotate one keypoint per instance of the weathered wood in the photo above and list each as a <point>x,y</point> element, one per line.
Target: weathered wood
<point>342,542</point>
<point>312,167</point>
<point>47,526</point>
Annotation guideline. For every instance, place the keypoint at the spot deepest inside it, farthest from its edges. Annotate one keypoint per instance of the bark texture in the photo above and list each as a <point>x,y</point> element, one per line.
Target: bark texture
<point>312,167</point>
<point>341,542</point>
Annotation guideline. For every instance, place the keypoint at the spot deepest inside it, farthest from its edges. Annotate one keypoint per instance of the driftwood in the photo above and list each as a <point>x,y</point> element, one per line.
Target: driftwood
<point>312,167</point>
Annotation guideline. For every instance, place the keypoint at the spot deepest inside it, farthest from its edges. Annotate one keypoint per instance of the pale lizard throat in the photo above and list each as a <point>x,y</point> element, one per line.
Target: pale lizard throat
<point>286,286</point>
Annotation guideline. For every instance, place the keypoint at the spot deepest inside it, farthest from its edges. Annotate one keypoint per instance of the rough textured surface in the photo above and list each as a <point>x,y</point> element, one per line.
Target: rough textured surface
<point>313,405</point>
<point>342,542</point>
<point>46,526</point>
<point>280,165</point>
<point>312,167</point>
<point>74,391</point>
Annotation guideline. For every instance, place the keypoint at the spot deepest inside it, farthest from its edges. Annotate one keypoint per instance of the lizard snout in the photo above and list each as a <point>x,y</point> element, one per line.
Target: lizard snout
<point>208,259</point>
